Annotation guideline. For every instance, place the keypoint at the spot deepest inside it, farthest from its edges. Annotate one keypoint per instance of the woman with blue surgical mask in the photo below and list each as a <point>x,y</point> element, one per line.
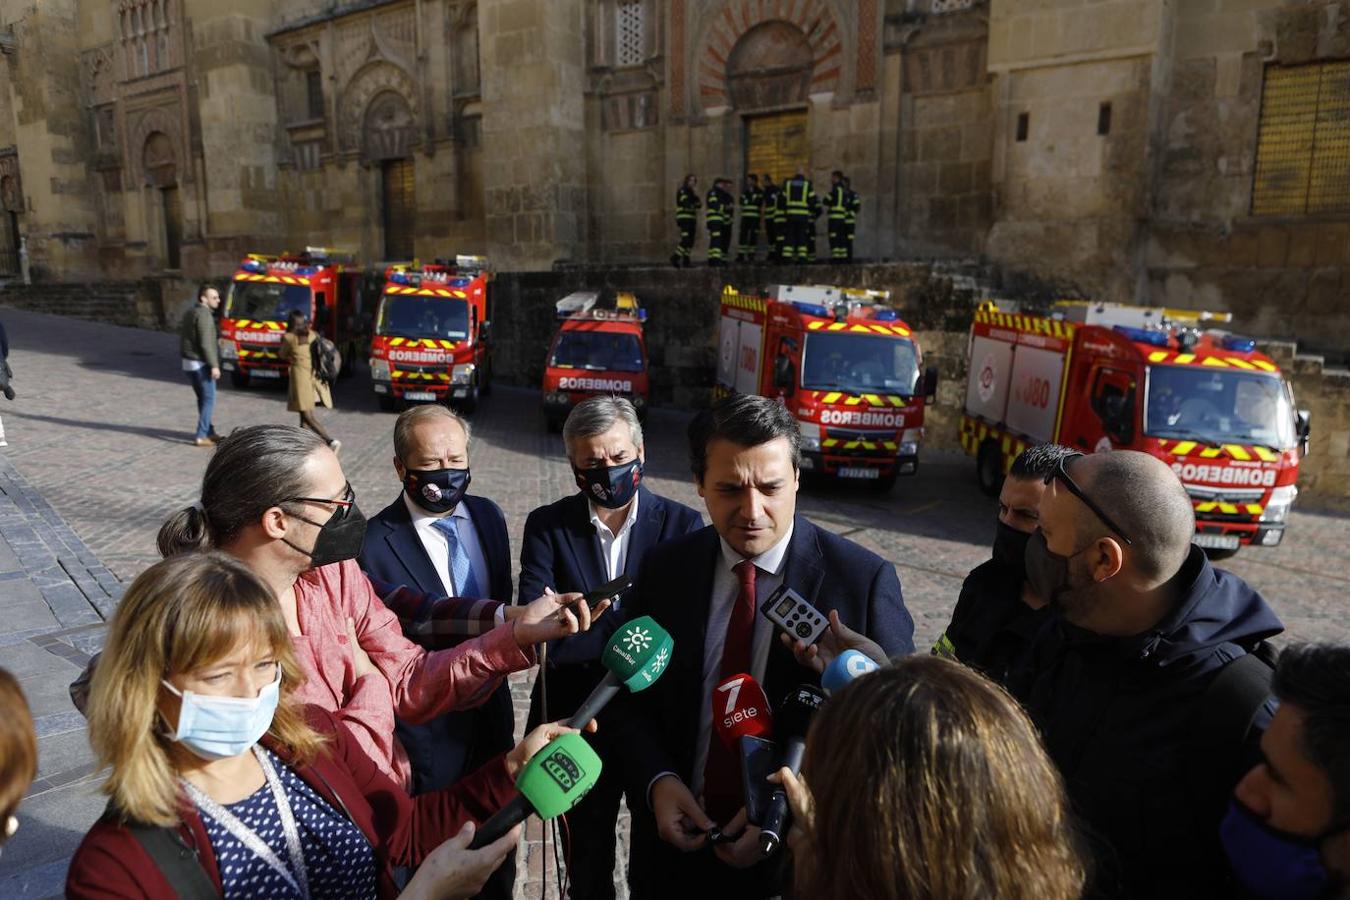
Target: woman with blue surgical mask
<point>222,784</point>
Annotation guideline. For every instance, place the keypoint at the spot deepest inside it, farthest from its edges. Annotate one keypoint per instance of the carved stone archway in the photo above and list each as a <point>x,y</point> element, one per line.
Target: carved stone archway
<point>770,66</point>
<point>363,97</point>
<point>814,20</point>
<point>158,161</point>
<point>143,127</point>
<point>389,128</point>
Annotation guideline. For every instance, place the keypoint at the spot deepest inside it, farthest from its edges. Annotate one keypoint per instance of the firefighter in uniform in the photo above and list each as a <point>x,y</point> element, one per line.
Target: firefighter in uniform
<point>752,199</point>
<point>772,229</point>
<point>721,209</point>
<point>799,208</point>
<point>836,202</point>
<point>686,217</point>
<point>853,203</point>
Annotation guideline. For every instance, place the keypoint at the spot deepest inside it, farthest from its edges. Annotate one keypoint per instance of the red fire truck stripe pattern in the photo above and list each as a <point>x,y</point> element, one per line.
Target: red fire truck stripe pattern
<point>260,324</point>
<point>271,279</point>
<point>1233,451</point>
<point>428,343</point>
<point>1219,362</point>
<point>870,399</point>
<point>425,292</point>
<point>819,325</point>
<point>732,297</point>
<point>989,315</point>
<point>974,433</point>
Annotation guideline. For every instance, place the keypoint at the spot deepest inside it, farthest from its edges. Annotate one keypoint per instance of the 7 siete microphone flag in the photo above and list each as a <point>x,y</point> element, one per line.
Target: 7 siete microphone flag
<point>741,709</point>
<point>550,784</point>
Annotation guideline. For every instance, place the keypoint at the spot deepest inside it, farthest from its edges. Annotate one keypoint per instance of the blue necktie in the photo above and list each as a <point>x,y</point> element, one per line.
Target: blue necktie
<point>461,570</point>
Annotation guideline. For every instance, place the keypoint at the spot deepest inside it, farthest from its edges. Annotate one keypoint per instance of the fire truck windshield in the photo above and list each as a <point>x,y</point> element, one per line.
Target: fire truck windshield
<point>267,300</point>
<point>409,315</point>
<point>597,351</point>
<point>1221,407</point>
<point>859,363</point>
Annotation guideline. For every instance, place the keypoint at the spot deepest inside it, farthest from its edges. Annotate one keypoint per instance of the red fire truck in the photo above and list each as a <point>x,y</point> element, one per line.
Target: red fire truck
<point>432,338</point>
<point>322,284</point>
<point>843,362</point>
<point>1099,377</point>
<point>598,349</point>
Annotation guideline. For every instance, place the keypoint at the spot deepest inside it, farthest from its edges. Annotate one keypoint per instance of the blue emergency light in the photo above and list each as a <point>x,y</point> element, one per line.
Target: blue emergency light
<point>885,315</point>
<point>256,266</point>
<point>811,309</point>
<point>307,270</point>
<point>1143,335</point>
<point>460,282</point>
<point>1239,344</point>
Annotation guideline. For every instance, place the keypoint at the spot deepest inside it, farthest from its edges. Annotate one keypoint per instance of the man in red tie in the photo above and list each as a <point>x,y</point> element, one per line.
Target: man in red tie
<point>705,588</point>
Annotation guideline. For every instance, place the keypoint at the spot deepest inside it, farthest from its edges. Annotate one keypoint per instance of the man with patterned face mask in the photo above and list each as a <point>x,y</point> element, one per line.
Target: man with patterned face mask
<point>438,539</point>
<point>578,544</point>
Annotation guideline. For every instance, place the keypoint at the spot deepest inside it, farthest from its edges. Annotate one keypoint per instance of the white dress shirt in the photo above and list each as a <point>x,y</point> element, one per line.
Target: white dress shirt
<point>614,547</point>
<point>726,588</point>
<point>438,547</point>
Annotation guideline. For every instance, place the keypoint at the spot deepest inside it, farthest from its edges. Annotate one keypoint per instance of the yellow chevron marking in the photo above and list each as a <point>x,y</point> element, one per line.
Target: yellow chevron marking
<point>1207,506</point>
<point>1240,363</point>
<point>1215,362</point>
<point>852,445</point>
<point>1184,359</point>
<point>1210,452</point>
<point>1255,509</point>
<point>1157,356</point>
<point>397,342</point>
<point>1237,452</point>
<point>460,294</point>
<point>868,445</point>
<point>1181,448</point>
<point>890,445</point>
<point>829,442</point>
<point>835,326</point>
<point>1266,454</point>
<point>852,401</point>
<point>895,401</point>
<point>814,326</point>
<point>832,397</point>
<point>448,345</point>
<point>1263,365</point>
<point>880,329</point>
<point>873,399</point>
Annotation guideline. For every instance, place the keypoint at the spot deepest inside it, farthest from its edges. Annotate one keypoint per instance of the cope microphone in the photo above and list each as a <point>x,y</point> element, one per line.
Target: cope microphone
<point>794,718</point>
<point>741,717</point>
<point>550,784</point>
<point>637,654</point>
<point>847,666</point>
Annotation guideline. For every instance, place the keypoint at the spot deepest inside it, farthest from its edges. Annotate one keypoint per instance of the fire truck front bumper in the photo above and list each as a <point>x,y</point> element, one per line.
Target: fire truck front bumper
<point>557,404</point>
<point>1230,536</point>
<point>863,468</point>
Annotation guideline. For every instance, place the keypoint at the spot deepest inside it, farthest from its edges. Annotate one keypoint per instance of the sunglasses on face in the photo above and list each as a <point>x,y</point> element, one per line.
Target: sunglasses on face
<point>344,505</point>
<point>1061,474</point>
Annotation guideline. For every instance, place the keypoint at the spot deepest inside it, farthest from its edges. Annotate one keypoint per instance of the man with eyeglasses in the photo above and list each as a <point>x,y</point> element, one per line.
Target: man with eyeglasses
<point>1118,680</point>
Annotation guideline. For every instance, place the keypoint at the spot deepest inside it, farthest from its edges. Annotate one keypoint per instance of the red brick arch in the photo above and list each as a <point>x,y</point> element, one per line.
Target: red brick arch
<point>726,26</point>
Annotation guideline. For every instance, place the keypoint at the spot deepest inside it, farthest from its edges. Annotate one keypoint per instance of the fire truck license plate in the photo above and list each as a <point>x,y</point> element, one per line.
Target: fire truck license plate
<point>858,472</point>
<point>418,395</point>
<point>1217,541</point>
<point>265,373</point>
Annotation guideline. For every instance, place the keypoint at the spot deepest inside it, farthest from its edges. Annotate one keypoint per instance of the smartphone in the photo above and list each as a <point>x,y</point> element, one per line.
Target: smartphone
<point>606,591</point>
<point>792,614</point>
<point>759,760</point>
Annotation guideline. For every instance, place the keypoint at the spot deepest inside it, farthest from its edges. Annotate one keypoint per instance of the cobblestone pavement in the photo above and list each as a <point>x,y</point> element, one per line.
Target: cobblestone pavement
<point>102,431</point>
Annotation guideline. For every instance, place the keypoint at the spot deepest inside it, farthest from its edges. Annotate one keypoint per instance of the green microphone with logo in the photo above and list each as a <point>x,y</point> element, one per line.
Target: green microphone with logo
<point>550,784</point>
<point>637,654</point>
<point>558,776</point>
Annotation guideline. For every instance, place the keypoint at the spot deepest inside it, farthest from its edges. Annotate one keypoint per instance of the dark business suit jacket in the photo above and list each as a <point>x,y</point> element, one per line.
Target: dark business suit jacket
<point>561,550</point>
<point>658,728</point>
<point>449,747</point>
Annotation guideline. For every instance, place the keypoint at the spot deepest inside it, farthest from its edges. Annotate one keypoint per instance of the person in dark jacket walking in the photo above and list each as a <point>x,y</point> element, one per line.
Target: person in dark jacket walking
<point>998,614</point>
<point>686,218</point>
<point>800,207</point>
<point>752,199</point>
<point>201,359</point>
<point>721,210</point>
<point>1118,679</point>
<point>772,228</point>
<point>836,202</point>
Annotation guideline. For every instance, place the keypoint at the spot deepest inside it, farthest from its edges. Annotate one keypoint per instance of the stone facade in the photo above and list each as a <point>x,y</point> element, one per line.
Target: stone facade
<point>1107,149</point>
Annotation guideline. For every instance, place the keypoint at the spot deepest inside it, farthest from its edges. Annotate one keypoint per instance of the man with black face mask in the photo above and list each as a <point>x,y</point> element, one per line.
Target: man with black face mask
<point>998,613</point>
<point>439,539</point>
<point>1287,832</point>
<point>576,544</point>
<point>1119,677</point>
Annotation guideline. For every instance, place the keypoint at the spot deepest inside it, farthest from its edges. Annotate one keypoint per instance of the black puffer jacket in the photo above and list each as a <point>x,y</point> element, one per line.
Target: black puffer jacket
<point>1118,716</point>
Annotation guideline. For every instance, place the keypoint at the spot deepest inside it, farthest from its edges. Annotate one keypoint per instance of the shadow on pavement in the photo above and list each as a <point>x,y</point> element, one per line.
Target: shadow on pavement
<point>161,434</point>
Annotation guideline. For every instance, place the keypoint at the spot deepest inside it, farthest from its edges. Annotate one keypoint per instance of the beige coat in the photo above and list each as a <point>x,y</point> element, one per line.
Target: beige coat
<point>306,389</point>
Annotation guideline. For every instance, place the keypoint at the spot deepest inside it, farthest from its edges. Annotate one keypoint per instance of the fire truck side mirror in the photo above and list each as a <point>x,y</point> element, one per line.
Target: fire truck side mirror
<point>930,384</point>
<point>1303,428</point>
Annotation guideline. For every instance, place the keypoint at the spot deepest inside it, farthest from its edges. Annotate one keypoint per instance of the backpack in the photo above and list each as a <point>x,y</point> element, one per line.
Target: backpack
<point>1224,730</point>
<point>327,361</point>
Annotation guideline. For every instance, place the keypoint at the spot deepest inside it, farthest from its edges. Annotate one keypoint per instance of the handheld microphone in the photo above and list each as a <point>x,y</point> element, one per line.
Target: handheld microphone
<point>846,667</point>
<point>741,709</point>
<point>638,653</point>
<point>794,718</point>
<point>550,784</point>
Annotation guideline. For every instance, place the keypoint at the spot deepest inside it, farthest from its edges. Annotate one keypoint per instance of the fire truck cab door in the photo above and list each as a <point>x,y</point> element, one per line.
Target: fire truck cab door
<point>1113,407</point>
<point>738,355</point>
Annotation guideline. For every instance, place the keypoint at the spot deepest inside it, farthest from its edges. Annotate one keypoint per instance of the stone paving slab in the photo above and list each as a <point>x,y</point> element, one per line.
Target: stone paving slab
<point>101,434</point>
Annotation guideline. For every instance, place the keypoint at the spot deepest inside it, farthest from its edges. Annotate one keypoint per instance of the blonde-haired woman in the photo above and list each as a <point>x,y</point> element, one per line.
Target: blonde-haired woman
<point>191,709</point>
<point>924,781</point>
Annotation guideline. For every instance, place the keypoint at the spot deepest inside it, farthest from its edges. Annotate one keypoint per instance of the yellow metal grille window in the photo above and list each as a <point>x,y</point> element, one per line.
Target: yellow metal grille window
<point>776,144</point>
<point>1303,149</point>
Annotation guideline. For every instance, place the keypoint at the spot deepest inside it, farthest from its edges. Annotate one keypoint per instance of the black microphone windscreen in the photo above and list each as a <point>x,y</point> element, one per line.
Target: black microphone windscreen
<point>794,715</point>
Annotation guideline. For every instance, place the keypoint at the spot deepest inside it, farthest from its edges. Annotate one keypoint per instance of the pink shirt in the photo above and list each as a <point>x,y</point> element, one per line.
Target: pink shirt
<point>417,685</point>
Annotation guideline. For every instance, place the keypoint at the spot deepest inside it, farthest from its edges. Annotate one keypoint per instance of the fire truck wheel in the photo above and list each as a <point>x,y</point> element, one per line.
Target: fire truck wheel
<point>989,468</point>
<point>239,379</point>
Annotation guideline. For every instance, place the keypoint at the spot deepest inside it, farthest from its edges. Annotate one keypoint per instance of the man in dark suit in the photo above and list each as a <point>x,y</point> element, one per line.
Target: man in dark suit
<point>705,589</point>
<point>579,543</point>
<point>442,541</point>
